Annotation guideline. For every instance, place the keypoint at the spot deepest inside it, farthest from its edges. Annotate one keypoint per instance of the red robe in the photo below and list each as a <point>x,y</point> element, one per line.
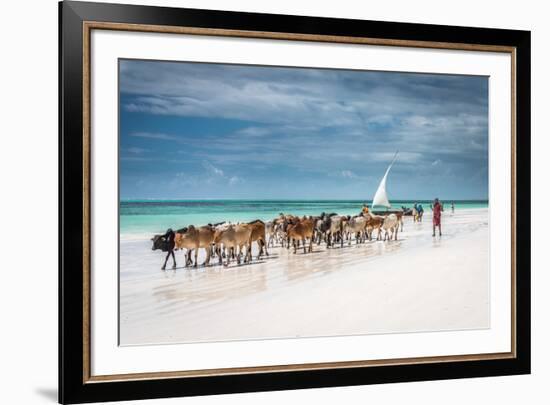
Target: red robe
<point>437,214</point>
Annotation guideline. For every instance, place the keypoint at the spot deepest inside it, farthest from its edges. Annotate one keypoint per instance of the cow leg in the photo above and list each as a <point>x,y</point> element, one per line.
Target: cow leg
<point>311,244</point>
<point>220,254</point>
<point>208,254</point>
<point>264,247</point>
<point>174,259</point>
<point>260,247</point>
<point>227,257</point>
<point>304,243</point>
<point>248,253</point>
<point>165,260</point>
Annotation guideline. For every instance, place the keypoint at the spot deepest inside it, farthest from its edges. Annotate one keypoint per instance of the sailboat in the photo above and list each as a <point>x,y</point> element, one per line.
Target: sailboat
<point>381,203</point>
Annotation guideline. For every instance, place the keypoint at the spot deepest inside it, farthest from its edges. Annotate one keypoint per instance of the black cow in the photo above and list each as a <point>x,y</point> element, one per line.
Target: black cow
<point>165,243</point>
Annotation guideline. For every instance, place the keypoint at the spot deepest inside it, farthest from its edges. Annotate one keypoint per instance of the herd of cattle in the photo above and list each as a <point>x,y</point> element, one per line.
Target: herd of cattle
<point>234,241</point>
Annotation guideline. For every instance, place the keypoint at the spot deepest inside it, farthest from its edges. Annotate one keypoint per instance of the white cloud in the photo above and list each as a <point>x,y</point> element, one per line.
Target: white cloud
<point>150,135</point>
<point>296,96</point>
<point>329,123</point>
<point>254,131</point>
<point>417,121</point>
<point>213,169</point>
<point>348,174</point>
<point>136,151</point>
<point>233,180</point>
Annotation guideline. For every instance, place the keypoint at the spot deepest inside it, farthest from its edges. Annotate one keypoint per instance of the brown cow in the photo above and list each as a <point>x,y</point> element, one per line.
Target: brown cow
<point>191,238</point>
<point>399,215</point>
<point>233,237</point>
<point>374,222</point>
<point>258,235</point>
<point>303,230</point>
<point>288,221</point>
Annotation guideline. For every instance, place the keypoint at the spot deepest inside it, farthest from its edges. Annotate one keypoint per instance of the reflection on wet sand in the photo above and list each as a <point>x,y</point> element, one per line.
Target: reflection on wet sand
<point>212,285</point>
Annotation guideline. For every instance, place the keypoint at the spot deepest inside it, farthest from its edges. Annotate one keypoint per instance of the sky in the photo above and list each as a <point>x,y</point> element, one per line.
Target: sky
<point>219,131</point>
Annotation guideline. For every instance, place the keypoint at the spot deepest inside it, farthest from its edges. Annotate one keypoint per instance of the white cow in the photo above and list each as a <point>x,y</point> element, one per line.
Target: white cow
<point>390,226</point>
<point>357,226</point>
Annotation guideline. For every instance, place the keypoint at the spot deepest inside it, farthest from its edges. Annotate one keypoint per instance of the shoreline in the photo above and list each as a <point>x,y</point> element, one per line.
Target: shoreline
<point>427,284</point>
<point>124,236</point>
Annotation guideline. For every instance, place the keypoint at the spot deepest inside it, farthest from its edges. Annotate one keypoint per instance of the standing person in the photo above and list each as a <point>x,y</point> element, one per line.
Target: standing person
<point>420,212</point>
<point>453,207</point>
<point>437,210</point>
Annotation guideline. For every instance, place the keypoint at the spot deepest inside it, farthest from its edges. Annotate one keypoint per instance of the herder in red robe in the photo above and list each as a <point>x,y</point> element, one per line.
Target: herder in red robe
<point>437,210</point>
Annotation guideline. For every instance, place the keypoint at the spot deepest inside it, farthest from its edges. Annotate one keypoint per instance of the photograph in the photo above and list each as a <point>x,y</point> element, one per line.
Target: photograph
<point>277,202</point>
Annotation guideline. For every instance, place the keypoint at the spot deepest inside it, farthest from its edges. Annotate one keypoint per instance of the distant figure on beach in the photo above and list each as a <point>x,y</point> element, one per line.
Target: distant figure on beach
<point>437,210</point>
<point>420,212</point>
<point>453,207</point>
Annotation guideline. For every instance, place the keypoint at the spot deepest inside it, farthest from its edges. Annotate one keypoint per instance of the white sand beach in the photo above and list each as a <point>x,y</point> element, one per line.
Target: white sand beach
<point>417,283</point>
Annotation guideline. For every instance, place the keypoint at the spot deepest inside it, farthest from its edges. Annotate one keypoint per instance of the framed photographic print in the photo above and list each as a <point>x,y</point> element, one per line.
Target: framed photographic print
<point>256,202</point>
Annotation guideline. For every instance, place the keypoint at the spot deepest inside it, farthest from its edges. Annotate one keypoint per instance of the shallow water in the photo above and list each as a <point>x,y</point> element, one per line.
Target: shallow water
<point>155,216</point>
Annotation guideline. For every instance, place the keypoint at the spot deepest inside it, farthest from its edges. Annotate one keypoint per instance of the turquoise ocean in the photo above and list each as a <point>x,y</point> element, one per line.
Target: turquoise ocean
<point>155,216</point>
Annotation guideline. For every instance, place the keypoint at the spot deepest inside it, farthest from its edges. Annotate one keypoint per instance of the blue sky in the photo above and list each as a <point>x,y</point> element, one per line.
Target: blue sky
<point>202,131</point>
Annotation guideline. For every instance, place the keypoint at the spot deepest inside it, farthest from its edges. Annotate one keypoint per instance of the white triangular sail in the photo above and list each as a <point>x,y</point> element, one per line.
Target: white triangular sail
<point>381,197</point>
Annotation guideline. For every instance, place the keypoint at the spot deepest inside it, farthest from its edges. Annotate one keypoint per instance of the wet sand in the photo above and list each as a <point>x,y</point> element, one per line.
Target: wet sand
<point>415,284</point>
